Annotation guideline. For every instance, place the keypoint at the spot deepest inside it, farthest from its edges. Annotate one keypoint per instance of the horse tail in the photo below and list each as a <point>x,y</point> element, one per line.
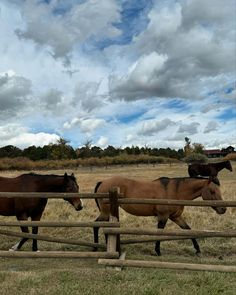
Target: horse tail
<point>95,191</point>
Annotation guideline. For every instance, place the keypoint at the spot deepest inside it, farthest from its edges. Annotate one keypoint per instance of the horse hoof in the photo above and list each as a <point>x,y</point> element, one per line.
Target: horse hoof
<point>12,249</point>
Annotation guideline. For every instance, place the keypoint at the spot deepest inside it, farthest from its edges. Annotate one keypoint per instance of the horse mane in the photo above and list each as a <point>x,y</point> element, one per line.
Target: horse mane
<point>47,175</point>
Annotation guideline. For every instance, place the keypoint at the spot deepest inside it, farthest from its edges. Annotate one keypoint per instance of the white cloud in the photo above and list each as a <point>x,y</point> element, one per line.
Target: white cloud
<point>211,126</point>
<point>93,18</point>
<point>102,142</point>
<point>189,129</point>
<point>152,127</point>
<point>197,53</point>
<point>14,91</point>
<point>143,77</point>
<point>86,125</point>
<point>17,135</point>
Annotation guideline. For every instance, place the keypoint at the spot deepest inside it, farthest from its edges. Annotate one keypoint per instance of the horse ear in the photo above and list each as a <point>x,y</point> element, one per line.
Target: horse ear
<point>65,176</point>
<point>72,174</point>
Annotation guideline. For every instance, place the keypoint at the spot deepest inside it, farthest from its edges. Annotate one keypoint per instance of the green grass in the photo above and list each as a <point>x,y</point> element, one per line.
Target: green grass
<point>81,276</point>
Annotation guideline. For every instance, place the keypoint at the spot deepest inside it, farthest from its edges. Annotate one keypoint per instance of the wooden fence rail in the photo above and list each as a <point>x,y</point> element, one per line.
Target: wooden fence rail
<point>164,232</point>
<point>167,265</point>
<point>57,254</point>
<point>60,224</point>
<point>204,203</point>
<point>46,195</point>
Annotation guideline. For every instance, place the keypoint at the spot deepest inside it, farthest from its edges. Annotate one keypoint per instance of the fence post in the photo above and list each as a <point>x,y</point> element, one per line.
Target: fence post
<point>113,241</point>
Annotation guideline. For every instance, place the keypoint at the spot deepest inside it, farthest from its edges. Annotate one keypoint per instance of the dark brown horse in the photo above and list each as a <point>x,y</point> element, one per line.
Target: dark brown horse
<point>23,208</point>
<point>210,169</point>
<point>162,188</point>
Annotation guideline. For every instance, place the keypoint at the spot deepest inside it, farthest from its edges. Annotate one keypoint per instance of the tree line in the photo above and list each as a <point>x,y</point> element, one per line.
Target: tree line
<point>63,151</point>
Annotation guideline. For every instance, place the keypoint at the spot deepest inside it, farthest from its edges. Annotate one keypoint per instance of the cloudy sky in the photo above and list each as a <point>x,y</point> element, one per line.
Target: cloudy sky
<point>115,72</point>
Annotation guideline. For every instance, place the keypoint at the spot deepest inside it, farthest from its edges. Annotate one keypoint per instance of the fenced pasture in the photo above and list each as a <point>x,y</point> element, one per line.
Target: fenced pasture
<point>88,277</point>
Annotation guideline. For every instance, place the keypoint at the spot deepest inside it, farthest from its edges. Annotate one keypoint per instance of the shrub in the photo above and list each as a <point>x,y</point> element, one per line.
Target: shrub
<point>196,158</point>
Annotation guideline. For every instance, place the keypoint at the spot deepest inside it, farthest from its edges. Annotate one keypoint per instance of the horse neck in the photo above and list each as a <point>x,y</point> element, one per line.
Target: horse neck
<point>193,188</point>
<point>51,184</point>
<point>219,166</point>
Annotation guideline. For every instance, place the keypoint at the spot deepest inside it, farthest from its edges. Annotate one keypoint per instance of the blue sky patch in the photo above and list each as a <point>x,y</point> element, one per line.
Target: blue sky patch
<point>134,19</point>
<point>229,90</point>
<point>228,114</point>
<point>176,104</point>
<point>130,117</point>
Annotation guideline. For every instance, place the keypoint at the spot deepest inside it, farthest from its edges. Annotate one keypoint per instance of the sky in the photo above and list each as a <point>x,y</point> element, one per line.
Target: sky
<point>120,73</point>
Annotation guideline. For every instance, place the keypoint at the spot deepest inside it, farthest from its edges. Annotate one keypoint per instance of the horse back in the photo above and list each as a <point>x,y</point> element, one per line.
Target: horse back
<point>10,184</point>
<point>138,189</point>
<point>195,170</point>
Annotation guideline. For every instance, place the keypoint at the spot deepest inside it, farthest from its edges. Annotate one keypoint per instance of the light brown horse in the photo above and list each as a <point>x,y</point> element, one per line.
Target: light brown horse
<point>23,208</point>
<point>162,188</point>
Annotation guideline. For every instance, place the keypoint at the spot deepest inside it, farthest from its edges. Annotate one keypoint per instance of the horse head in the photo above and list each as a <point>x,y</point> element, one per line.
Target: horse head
<point>229,166</point>
<point>70,186</point>
<point>212,192</point>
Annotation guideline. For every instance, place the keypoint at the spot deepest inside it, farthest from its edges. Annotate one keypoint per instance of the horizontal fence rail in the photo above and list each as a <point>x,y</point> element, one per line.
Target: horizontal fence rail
<point>177,202</point>
<point>52,195</point>
<point>164,232</point>
<point>154,239</point>
<point>60,224</point>
<point>205,203</point>
<point>57,254</point>
<point>166,265</point>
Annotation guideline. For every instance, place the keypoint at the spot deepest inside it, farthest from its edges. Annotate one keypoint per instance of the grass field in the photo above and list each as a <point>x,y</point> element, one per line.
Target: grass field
<point>81,276</point>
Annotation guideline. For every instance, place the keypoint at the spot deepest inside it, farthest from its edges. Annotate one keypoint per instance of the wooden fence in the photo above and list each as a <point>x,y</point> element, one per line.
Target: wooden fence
<point>56,254</point>
<point>113,230</point>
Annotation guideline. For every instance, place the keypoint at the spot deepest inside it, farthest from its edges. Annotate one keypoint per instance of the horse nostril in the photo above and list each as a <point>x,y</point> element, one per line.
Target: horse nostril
<point>221,210</point>
<point>79,208</point>
<point>224,210</point>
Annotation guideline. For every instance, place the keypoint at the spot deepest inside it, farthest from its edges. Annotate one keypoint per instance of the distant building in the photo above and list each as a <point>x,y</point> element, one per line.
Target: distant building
<point>216,153</point>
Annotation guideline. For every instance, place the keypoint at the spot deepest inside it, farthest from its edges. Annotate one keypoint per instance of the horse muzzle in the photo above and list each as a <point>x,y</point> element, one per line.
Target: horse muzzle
<point>220,210</point>
<point>79,207</point>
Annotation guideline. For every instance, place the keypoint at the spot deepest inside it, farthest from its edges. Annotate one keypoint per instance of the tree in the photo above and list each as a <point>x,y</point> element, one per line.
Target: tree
<point>33,153</point>
<point>187,148</point>
<point>62,141</point>
<point>110,151</point>
<point>198,148</point>
<point>10,151</point>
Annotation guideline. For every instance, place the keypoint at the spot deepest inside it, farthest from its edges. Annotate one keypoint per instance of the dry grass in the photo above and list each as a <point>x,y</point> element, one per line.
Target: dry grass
<point>86,277</point>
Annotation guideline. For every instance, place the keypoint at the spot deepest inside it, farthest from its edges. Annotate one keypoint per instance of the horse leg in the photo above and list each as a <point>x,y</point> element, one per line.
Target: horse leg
<point>36,217</point>
<point>24,229</point>
<point>96,230</point>
<point>161,225</point>
<point>95,236</point>
<point>35,242</point>
<point>182,224</point>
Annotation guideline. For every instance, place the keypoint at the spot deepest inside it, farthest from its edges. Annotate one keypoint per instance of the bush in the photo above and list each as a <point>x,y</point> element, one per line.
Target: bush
<point>196,158</point>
